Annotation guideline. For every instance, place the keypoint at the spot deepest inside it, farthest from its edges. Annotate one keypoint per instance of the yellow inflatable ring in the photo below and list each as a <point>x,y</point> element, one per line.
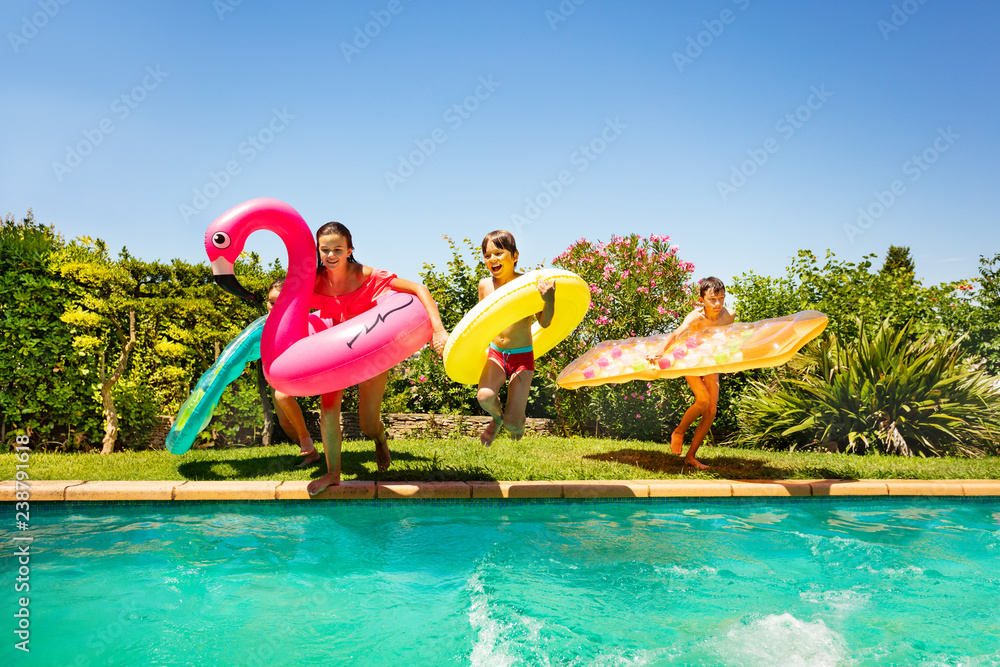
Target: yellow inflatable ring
<point>465,353</point>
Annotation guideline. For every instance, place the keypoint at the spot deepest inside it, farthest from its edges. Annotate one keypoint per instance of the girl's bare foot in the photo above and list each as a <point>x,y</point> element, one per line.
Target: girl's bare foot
<point>319,485</point>
<point>677,443</point>
<point>695,463</point>
<point>383,459</point>
<point>489,433</point>
<point>310,458</point>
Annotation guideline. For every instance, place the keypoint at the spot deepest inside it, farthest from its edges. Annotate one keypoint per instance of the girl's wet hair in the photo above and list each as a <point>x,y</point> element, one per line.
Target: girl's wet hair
<point>502,239</point>
<point>340,230</point>
<point>710,284</point>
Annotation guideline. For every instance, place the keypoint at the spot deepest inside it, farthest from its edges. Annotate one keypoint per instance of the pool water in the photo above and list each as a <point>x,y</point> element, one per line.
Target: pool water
<point>672,582</point>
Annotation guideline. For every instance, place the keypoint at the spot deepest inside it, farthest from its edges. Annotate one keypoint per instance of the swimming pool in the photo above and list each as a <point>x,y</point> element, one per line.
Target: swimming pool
<point>818,581</point>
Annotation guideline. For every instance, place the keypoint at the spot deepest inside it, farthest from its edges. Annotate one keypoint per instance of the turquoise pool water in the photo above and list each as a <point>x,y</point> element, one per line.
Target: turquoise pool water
<point>672,582</point>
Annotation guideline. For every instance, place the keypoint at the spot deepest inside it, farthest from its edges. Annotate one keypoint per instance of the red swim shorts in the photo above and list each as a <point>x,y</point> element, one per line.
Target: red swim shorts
<point>513,361</point>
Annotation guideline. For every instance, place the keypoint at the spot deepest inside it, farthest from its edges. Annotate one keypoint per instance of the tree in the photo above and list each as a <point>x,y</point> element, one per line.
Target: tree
<point>898,262</point>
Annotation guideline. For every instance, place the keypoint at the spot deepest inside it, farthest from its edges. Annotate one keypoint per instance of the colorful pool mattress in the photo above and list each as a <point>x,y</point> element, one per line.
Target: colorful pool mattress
<point>728,349</point>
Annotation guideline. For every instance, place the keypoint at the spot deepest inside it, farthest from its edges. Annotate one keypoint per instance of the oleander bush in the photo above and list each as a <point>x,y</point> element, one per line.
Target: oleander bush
<point>889,392</point>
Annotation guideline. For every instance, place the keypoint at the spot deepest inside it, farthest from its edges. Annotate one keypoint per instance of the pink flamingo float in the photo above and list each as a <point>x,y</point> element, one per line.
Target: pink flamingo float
<point>301,354</point>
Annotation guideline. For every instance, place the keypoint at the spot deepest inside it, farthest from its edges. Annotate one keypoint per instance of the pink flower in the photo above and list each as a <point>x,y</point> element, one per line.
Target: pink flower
<point>422,378</point>
<point>638,416</point>
<point>660,310</point>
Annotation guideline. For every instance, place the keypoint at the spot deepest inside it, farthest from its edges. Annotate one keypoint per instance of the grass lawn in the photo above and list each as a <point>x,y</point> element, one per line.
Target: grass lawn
<point>533,458</point>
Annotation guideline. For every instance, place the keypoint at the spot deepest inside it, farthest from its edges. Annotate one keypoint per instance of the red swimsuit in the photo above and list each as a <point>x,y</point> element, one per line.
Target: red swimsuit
<point>336,309</point>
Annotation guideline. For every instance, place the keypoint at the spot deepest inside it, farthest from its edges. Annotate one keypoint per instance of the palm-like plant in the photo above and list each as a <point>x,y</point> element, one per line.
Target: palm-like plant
<point>889,392</point>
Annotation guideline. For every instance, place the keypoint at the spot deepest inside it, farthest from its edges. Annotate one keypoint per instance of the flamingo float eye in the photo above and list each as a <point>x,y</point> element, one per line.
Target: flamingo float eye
<point>221,240</point>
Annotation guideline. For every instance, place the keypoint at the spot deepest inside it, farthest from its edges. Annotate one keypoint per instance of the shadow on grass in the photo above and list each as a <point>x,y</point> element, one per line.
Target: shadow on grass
<point>721,467</point>
<point>405,467</point>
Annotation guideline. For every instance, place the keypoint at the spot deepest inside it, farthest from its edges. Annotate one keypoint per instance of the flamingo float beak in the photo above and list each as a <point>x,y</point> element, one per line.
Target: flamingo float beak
<point>225,278</point>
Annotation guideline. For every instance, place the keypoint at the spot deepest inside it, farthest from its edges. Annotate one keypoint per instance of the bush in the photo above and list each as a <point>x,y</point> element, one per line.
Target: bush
<point>45,386</point>
<point>238,417</point>
<point>421,385</point>
<point>891,393</point>
<point>979,301</point>
<point>135,402</point>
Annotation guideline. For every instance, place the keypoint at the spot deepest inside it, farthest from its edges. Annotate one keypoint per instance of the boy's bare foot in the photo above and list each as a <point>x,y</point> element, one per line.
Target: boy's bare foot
<point>695,463</point>
<point>677,443</point>
<point>489,433</point>
<point>310,458</point>
<point>516,433</point>
<point>319,485</point>
<point>383,459</point>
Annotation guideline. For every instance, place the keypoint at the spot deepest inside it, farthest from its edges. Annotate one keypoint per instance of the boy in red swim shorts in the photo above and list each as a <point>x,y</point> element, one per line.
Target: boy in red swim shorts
<point>510,357</point>
<point>711,313</point>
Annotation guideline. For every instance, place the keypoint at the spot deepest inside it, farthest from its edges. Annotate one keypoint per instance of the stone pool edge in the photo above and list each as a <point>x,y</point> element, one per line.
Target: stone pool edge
<point>82,490</point>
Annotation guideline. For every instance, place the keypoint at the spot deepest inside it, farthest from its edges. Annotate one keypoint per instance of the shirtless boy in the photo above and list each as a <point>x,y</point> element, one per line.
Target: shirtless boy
<point>711,312</point>
<point>511,357</point>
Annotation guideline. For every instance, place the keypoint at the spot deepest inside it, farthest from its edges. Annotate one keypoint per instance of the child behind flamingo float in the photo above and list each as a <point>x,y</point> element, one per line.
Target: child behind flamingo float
<point>287,408</point>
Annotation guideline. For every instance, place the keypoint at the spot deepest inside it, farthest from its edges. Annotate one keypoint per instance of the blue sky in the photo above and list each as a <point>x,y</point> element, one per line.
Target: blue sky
<point>744,130</point>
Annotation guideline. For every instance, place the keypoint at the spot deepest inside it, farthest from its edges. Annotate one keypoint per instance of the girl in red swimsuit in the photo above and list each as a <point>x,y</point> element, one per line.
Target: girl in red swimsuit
<point>345,288</point>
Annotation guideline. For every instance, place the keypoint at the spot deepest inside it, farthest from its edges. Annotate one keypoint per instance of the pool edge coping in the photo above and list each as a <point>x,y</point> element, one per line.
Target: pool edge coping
<point>175,490</point>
